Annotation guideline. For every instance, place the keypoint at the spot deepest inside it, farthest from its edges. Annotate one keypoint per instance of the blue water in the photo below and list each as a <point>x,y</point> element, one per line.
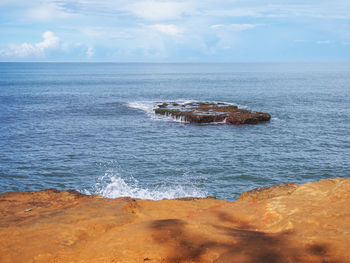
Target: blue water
<point>91,127</point>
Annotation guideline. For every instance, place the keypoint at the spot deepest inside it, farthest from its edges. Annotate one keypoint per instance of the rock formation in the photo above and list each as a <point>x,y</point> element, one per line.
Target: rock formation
<point>200,112</point>
<point>288,223</point>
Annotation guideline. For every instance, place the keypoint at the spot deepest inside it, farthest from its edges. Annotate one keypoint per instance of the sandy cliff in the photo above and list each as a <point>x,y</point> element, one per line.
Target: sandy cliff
<point>289,223</point>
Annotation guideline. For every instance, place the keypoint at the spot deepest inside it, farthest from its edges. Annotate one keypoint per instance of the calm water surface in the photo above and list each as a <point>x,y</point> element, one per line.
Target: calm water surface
<point>91,127</point>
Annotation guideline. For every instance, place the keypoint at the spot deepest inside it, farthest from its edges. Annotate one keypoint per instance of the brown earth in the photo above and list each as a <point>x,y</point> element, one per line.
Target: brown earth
<point>288,223</point>
<point>204,112</point>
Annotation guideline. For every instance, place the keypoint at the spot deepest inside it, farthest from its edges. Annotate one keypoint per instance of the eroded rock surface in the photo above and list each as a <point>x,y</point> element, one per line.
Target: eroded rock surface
<point>288,223</point>
<point>204,112</point>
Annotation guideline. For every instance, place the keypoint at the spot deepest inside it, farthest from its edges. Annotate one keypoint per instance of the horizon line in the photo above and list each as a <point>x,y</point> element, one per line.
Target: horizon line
<point>183,62</point>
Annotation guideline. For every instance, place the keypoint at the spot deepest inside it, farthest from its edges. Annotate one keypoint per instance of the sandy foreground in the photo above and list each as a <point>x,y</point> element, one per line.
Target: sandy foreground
<point>288,223</point>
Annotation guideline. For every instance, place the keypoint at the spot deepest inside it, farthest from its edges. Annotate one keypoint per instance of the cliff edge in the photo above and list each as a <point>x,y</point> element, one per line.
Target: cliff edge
<point>287,223</point>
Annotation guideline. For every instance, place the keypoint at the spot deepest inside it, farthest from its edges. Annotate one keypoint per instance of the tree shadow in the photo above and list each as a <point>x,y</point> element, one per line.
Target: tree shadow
<point>243,244</point>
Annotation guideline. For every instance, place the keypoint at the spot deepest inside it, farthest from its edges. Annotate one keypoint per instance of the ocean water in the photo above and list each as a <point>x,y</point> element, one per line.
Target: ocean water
<point>91,127</point>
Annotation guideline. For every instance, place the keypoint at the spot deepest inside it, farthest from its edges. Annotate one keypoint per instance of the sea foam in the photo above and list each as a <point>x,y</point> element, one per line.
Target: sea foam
<point>112,185</point>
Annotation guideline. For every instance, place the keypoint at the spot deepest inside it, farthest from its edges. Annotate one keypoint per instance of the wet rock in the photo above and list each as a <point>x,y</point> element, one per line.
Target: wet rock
<point>164,105</point>
<point>204,113</point>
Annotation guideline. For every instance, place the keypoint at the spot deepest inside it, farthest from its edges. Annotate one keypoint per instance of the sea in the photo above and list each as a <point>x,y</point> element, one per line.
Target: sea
<point>91,127</point>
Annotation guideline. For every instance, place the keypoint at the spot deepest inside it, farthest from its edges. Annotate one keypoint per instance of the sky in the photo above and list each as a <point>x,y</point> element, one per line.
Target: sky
<point>175,31</point>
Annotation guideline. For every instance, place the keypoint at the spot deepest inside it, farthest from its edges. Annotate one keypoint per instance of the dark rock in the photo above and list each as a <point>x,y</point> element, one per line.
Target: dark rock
<point>164,105</point>
<point>203,112</point>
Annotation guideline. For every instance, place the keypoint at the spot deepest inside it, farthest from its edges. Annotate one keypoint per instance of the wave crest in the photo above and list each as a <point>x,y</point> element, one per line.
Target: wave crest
<point>111,185</point>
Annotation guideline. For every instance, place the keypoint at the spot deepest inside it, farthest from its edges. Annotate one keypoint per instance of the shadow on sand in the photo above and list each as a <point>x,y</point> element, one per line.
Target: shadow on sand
<point>243,243</point>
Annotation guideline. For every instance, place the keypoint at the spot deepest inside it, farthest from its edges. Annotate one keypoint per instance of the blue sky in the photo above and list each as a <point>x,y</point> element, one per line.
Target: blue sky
<point>175,31</point>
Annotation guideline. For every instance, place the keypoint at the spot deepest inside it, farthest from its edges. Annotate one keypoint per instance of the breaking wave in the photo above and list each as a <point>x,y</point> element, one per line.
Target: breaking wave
<point>112,185</point>
<point>146,106</point>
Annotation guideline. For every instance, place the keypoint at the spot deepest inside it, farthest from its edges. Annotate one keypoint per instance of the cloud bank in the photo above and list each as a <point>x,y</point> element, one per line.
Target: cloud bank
<point>50,41</point>
<point>175,30</point>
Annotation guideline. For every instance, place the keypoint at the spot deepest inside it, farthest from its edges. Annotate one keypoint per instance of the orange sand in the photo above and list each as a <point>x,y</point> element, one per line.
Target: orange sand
<point>290,223</point>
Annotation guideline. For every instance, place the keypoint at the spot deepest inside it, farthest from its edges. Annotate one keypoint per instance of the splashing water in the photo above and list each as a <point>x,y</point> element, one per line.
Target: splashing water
<point>112,185</point>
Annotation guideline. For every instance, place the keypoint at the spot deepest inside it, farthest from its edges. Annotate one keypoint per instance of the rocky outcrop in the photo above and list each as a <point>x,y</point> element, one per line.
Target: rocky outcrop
<point>261,193</point>
<point>288,223</point>
<point>203,112</point>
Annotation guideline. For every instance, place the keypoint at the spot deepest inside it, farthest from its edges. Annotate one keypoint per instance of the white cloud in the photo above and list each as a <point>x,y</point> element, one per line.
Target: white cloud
<point>39,49</point>
<point>165,28</point>
<point>176,9</point>
<point>171,30</point>
<point>16,2</point>
<point>233,27</point>
<point>237,12</point>
<point>324,42</point>
<point>228,35</point>
<point>47,11</point>
<point>336,9</point>
<point>89,52</point>
<point>104,32</point>
<point>152,10</point>
<point>50,40</point>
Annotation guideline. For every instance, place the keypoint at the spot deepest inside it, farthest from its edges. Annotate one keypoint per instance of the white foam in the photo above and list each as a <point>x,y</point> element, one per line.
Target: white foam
<point>181,119</point>
<point>186,101</point>
<point>146,106</point>
<point>219,122</point>
<point>241,106</point>
<point>149,106</point>
<point>112,186</point>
